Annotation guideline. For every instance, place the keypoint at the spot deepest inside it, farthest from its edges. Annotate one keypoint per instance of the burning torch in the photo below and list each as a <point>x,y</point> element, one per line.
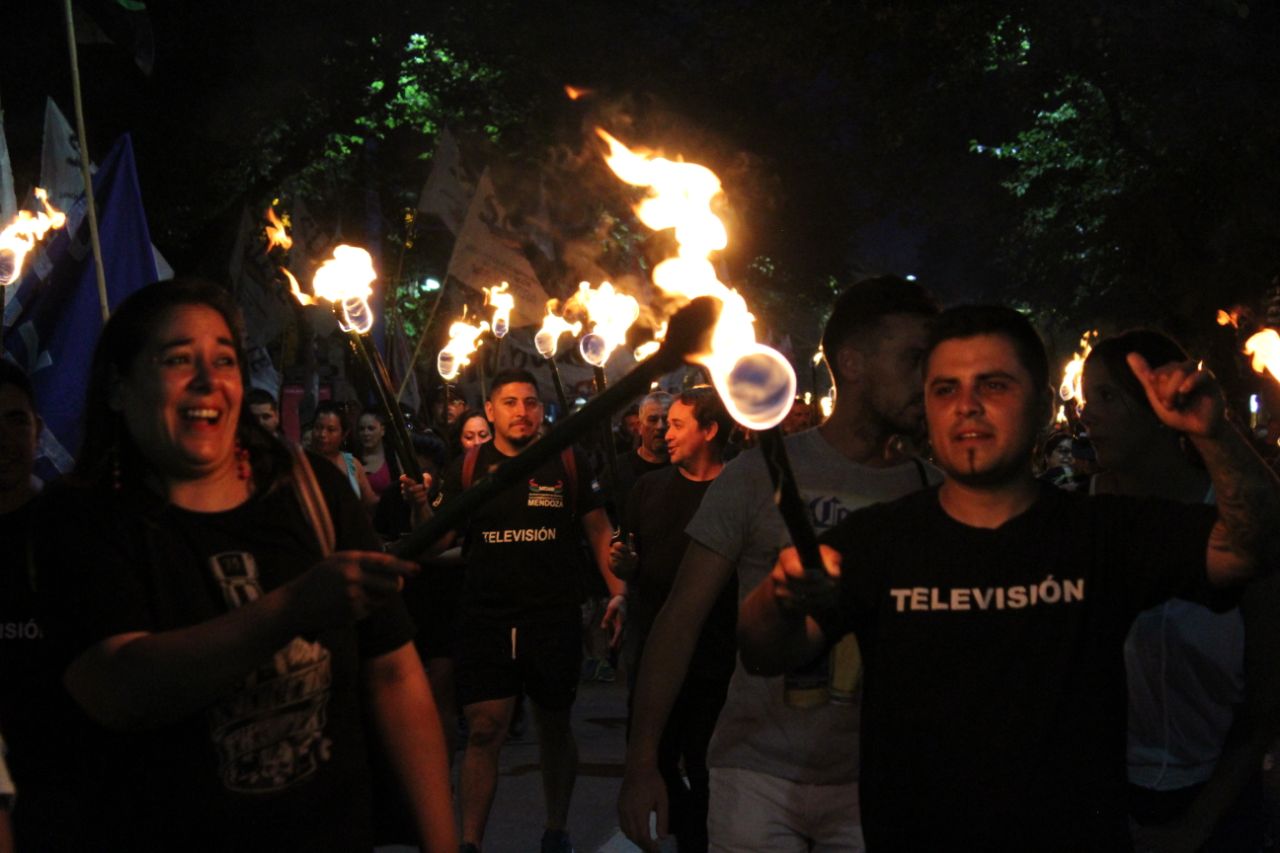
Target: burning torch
<point>547,341</point>
<point>345,280</point>
<point>21,235</point>
<point>463,340</point>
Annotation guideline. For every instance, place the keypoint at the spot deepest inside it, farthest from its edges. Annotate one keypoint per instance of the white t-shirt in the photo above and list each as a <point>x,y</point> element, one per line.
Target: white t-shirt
<point>757,730</point>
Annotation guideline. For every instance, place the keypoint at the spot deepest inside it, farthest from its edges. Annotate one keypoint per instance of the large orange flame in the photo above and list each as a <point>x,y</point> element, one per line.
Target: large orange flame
<point>463,340</point>
<point>277,231</point>
<point>547,340</point>
<point>611,313</point>
<point>1072,387</point>
<point>1264,347</point>
<point>756,383</point>
<point>346,279</point>
<point>21,235</point>
<point>503,302</point>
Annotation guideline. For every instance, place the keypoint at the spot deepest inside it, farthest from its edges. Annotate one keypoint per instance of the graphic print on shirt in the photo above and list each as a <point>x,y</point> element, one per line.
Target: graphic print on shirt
<point>547,497</point>
<point>270,734</point>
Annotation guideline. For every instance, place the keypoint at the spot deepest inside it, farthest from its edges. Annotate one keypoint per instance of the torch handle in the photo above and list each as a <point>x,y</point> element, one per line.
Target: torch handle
<point>456,511</point>
<point>556,381</point>
<point>787,497</point>
<point>401,443</point>
<point>611,454</point>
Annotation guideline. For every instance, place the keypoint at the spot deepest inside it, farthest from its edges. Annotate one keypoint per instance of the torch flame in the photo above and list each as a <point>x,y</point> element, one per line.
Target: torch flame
<point>502,302</point>
<point>346,279</point>
<point>21,235</point>
<point>463,340</point>
<point>648,348</point>
<point>1072,387</point>
<point>1264,347</point>
<point>755,382</point>
<point>1232,319</point>
<point>575,93</point>
<point>611,313</point>
<point>276,232</point>
<point>553,326</point>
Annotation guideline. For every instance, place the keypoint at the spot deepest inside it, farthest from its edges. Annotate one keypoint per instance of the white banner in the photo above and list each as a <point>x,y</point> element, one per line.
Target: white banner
<point>487,252</point>
<point>449,187</point>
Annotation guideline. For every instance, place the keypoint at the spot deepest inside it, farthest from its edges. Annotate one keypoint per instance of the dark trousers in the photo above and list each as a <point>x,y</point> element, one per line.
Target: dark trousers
<point>684,741</point>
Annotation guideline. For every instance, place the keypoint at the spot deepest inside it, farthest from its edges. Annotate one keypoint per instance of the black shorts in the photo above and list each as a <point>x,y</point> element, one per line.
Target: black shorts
<point>544,664</point>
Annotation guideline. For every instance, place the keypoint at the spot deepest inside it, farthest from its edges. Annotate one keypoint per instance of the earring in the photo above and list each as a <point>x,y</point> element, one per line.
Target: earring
<point>243,469</point>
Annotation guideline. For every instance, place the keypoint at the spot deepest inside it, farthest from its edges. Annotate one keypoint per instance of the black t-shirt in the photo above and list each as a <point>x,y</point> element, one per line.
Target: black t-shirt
<point>523,560</point>
<point>660,506</point>
<point>993,716</point>
<point>281,763</point>
<point>631,467</point>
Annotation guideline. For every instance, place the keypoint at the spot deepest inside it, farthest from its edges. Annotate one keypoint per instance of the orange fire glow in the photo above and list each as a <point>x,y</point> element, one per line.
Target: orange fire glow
<point>756,383</point>
<point>1264,348</point>
<point>1072,387</point>
<point>346,279</point>
<point>21,235</point>
<point>611,313</point>
<point>463,340</point>
<point>503,302</point>
<point>575,93</point>
<point>547,340</point>
<point>277,231</point>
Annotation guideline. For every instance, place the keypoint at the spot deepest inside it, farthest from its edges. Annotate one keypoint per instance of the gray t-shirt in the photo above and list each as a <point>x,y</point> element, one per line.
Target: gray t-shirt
<point>738,520</point>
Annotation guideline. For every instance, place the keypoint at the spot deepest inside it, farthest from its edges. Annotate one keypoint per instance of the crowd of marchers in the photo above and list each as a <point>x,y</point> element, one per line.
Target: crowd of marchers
<point>1018,638</point>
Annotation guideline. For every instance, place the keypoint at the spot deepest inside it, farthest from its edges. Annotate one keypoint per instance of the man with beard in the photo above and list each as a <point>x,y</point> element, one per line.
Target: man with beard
<point>783,778</point>
<point>992,611</point>
<point>521,627</point>
<point>650,454</point>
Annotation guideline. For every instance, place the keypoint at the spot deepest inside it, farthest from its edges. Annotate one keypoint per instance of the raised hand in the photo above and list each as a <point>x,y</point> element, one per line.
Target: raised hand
<point>1184,397</point>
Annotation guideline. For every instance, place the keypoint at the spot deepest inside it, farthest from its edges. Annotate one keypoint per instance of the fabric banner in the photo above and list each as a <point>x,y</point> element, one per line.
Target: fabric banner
<point>60,170</point>
<point>448,190</point>
<point>487,253</point>
<point>52,324</point>
<point>8,198</point>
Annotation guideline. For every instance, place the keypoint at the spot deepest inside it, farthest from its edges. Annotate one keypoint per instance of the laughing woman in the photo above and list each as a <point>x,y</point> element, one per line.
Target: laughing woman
<point>222,617</point>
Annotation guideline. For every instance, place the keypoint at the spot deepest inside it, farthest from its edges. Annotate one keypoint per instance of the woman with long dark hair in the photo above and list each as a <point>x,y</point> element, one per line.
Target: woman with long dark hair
<point>221,614</point>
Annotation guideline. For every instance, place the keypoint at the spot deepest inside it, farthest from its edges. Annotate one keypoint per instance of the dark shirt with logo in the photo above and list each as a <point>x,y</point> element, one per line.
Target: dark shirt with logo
<point>277,764</point>
<point>523,559</point>
<point>993,712</point>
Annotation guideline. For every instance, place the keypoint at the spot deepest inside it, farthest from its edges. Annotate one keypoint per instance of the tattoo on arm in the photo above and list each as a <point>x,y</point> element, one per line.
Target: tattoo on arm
<point>1248,499</point>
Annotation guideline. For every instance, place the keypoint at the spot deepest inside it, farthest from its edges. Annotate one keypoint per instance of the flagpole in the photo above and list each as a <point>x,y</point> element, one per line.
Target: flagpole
<point>422,339</point>
<point>90,207</point>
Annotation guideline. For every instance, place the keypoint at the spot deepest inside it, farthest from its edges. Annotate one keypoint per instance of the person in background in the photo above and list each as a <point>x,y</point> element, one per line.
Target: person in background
<point>627,435</point>
<point>380,468</point>
<point>328,436</point>
<point>221,613</point>
<point>782,777</point>
<point>1058,462</point>
<point>264,408</point>
<point>471,430</point>
<point>650,453</point>
<point>1203,686</point>
<point>661,504</point>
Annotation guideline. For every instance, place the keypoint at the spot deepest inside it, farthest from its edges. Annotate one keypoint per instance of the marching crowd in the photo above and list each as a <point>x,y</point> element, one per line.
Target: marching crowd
<point>205,643</point>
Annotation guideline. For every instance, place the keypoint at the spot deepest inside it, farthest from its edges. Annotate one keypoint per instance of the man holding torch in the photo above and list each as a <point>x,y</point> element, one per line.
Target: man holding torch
<point>992,611</point>
<point>521,629</point>
<point>783,778</point>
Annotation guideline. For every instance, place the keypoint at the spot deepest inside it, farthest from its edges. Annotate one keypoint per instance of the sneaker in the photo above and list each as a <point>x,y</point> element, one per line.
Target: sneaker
<point>556,841</point>
<point>589,667</point>
<point>606,672</point>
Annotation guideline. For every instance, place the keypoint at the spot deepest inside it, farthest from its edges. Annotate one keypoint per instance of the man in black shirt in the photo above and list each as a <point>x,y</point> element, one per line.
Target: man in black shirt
<point>521,628</point>
<point>660,506</point>
<point>650,454</point>
<point>991,611</point>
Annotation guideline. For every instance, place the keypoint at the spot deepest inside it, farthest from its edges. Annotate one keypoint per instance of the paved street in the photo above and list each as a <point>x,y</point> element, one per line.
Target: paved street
<point>517,820</point>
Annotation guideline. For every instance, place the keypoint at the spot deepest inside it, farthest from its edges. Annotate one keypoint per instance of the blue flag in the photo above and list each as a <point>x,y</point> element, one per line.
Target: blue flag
<point>52,322</point>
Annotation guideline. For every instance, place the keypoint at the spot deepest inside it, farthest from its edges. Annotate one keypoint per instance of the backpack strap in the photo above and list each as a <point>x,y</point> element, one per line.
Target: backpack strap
<point>311,499</point>
<point>469,467</point>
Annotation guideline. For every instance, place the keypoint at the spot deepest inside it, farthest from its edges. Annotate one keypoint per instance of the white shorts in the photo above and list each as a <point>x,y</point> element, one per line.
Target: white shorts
<point>757,812</point>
